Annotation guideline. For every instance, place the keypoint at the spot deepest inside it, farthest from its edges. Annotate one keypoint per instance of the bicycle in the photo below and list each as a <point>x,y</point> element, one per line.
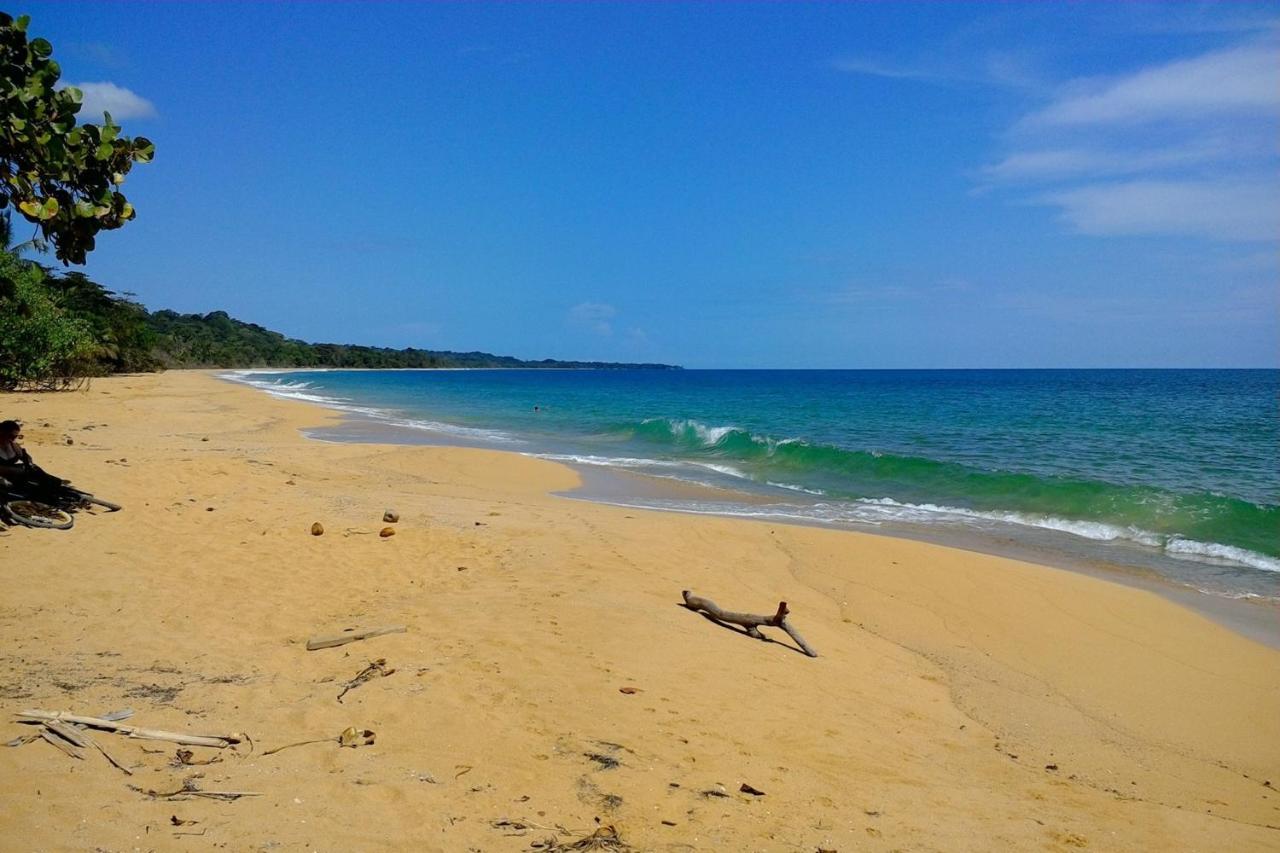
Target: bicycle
<point>44,501</point>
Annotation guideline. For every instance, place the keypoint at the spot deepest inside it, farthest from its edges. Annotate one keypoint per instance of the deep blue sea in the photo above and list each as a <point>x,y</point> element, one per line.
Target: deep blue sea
<point>1172,471</point>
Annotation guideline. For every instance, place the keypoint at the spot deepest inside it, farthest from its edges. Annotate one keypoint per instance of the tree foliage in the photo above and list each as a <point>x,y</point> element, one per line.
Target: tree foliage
<point>41,344</point>
<point>60,176</point>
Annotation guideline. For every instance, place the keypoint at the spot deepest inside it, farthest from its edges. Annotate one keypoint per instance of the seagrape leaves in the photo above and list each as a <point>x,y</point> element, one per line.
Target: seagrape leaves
<point>61,175</point>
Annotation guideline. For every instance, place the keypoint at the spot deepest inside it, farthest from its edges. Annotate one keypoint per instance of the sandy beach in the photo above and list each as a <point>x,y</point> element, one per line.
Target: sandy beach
<point>550,684</point>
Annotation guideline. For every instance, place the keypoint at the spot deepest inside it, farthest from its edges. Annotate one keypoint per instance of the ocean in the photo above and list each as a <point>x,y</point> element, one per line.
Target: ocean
<point>1172,473</point>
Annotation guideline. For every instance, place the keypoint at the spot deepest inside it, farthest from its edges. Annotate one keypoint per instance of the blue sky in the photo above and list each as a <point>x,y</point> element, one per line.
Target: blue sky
<point>715,185</point>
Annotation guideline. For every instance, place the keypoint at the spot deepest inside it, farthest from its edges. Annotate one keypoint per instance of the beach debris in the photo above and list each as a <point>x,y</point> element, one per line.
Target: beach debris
<point>350,635</point>
<point>174,819</point>
<point>630,691</point>
<point>71,749</point>
<point>604,838</point>
<point>71,739</point>
<point>518,826</point>
<point>45,717</point>
<point>350,737</point>
<point>387,532</point>
<point>713,792</point>
<point>190,789</point>
<point>749,789</point>
<point>606,762</point>
<point>751,623</point>
<point>353,737</point>
<point>390,516</point>
<point>375,669</point>
<point>317,529</point>
<point>187,758</point>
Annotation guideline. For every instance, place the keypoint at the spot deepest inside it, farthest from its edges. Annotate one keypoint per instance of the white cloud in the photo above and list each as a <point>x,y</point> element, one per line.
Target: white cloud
<point>122,103</point>
<point>594,316</point>
<point>1229,209</point>
<point>1057,163</point>
<point>1193,141</point>
<point>1243,80</point>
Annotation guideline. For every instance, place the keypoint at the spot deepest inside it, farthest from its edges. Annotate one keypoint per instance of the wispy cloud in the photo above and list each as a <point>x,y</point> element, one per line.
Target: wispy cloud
<point>1242,80</point>
<point>122,103</point>
<point>1004,69</point>
<point>1192,140</point>
<point>878,68</point>
<point>596,317</point>
<point>1049,164</point>
<point>1226,209</point>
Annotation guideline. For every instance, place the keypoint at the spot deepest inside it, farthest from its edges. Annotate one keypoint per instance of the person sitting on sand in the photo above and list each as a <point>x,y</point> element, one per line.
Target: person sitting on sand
<point>16,465</point>
<point>14,459</point>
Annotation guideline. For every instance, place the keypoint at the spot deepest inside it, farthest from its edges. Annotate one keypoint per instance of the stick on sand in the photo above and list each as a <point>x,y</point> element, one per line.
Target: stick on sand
<point>750,621</point>
<point>218,741</point>
<point>328,641</point>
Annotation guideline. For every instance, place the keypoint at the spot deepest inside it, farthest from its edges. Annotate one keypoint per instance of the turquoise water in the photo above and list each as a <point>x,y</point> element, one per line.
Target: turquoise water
<point>1177,470</point>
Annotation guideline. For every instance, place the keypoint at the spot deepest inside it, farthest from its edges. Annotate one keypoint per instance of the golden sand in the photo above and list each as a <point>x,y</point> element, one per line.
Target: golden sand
<point>960,702</point>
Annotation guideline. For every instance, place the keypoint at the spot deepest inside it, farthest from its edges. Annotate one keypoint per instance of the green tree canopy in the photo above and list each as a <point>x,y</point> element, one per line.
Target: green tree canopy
<point>41,346</point>
<point>58,175</point>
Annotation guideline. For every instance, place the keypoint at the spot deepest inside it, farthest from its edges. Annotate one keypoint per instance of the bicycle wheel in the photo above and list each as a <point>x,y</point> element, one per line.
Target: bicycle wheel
<point>34,514</point>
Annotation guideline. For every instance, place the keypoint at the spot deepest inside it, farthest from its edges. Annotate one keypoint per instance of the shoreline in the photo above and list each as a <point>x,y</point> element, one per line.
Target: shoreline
<point>960,701</point>
<point>1257,619</point>
<point>1254,617</point>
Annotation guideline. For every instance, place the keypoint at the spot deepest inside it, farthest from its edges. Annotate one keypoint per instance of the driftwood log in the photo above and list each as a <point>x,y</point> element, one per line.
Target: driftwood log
<point>749,621</point>
<point>218,741</point>
<point>328,641</point>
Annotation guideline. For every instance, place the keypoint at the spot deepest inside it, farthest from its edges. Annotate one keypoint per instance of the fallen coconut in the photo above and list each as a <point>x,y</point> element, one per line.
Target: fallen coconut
<point>391,516</point>
<point>317,529</point>
<point>387,531</point>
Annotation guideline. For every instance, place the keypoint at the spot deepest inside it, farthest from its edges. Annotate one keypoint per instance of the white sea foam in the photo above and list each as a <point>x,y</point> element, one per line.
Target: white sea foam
<point>475,433</point>
<point>886,510</point>
<point>708,436</point>
<point>711,436</point>
<point>631,462</point>
<point>302,390</point>
<point>1189,548</point>
<point>727,470</point>
<point>1174,546</point>
<point>606,461</point>
<point>794,488</point>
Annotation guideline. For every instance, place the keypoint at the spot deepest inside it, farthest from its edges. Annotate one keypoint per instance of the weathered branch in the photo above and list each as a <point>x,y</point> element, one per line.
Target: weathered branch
<point>750,621</point>
<point>328,641</point>
<point>219,741</point>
